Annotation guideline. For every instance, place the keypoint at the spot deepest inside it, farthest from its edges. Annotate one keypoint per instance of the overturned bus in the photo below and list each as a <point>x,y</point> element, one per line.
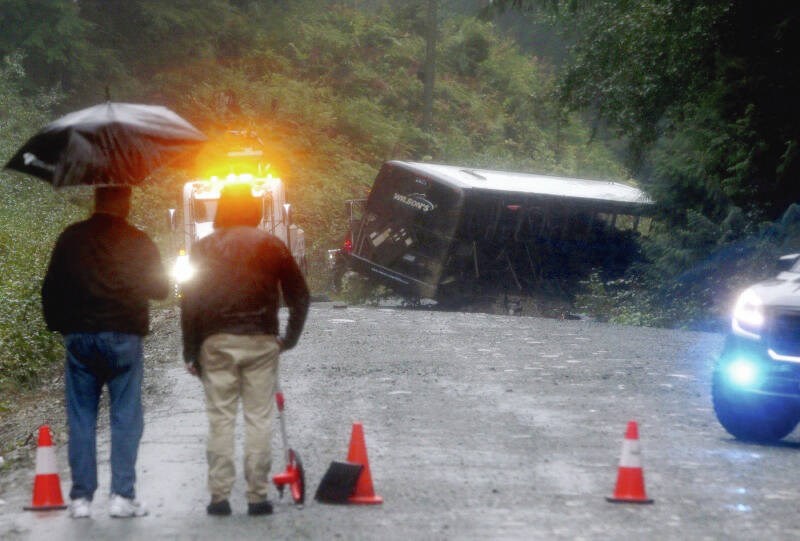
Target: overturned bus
<point>450,233</point>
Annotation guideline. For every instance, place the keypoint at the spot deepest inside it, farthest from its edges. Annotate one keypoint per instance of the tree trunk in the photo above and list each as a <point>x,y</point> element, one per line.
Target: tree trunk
<point>430,67</point>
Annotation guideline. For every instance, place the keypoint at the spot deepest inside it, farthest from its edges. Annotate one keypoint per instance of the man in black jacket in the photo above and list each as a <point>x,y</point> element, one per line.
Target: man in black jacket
<point>231,339</point>
<point>102,273</point>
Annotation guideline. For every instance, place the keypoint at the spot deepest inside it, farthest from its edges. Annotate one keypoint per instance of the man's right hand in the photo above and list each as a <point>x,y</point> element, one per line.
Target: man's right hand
<point>192,369</point>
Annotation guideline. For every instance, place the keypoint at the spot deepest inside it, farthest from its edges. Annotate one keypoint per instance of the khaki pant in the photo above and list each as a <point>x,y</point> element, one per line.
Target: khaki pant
<point>237,367</point>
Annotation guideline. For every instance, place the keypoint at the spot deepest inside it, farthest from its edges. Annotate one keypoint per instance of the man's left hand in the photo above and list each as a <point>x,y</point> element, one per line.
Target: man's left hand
<point>192,369</point>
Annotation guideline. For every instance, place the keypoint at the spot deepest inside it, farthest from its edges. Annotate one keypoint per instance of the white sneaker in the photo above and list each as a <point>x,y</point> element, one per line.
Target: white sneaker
<point>80,508</point>
<point>125,507</point>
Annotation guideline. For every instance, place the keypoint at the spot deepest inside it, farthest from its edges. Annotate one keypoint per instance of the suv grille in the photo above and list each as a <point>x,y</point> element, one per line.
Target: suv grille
<point>783,332</point>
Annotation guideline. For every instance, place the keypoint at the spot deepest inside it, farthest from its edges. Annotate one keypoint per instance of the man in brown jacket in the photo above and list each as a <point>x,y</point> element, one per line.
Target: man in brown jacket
<point>231,338</point>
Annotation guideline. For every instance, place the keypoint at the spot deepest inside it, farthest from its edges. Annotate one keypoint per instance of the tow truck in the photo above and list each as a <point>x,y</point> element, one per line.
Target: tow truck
<point>200,198</point>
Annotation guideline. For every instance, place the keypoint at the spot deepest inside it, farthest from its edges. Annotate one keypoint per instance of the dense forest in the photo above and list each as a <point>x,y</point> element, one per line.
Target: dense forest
<point>693,100</point>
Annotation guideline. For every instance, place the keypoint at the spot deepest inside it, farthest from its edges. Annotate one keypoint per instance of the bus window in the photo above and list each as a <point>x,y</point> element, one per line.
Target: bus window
<point>607,218</point>
<point>645,223</point>
<point>626,222</point>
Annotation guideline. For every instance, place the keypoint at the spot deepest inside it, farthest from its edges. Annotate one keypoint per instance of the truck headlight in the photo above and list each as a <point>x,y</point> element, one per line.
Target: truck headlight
<point>182,271</point>
<point>748,315</point>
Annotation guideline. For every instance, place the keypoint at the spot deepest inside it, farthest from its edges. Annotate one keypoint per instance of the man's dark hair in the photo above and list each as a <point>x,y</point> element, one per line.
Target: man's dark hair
<point>237,206</point>
<point>113,199</point>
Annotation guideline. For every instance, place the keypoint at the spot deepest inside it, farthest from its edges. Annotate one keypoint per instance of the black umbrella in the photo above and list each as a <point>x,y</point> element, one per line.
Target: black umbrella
<point>110,143</point>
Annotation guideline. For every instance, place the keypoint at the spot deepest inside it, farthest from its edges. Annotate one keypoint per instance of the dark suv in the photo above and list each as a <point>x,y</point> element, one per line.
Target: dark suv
<point>756,382</point>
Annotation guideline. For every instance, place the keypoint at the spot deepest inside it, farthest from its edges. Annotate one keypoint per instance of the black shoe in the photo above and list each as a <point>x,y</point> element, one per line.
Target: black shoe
<point>220,508</point>
<point>260,508</point>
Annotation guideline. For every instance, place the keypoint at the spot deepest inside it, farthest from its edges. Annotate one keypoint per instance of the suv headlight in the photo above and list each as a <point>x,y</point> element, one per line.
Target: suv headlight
<point>748,315</point>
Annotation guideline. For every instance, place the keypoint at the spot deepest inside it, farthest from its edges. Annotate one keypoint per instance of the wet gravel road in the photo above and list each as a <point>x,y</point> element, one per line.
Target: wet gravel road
<point>477,427</point>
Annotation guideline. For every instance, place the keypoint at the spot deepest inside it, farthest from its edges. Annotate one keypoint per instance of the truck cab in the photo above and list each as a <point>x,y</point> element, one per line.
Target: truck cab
<point>200,198</point>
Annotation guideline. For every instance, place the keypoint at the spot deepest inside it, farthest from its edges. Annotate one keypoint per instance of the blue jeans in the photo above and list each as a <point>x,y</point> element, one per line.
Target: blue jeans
<point>93,360</point>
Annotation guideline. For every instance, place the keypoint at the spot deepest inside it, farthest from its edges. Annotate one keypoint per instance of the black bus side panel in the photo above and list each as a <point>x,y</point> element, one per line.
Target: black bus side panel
<point>518,244</point>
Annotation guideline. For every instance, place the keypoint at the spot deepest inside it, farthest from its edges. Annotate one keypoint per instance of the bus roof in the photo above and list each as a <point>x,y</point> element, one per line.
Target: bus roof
<point>528,183</point>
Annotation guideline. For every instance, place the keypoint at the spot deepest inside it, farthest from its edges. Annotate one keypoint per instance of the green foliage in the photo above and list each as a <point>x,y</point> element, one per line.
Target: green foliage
<point>356,289</point>
<point>711,82</point>
<point>31,216</point>
<point>632,62</point>
<point>20,115</point>
<point>629,302</point>
<point>29,228</point>
<point>468,48</point>
<point>694,272</point>
<point>51,38</point>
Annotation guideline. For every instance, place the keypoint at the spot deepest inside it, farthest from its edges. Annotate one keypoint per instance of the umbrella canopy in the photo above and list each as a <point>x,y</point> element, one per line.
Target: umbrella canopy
<point>110,143</point>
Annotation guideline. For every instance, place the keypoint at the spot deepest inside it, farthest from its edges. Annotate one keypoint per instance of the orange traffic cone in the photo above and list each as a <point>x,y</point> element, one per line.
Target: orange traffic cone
<point>630,479</point>
<point>364,493</point>
<point>47,485</point>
